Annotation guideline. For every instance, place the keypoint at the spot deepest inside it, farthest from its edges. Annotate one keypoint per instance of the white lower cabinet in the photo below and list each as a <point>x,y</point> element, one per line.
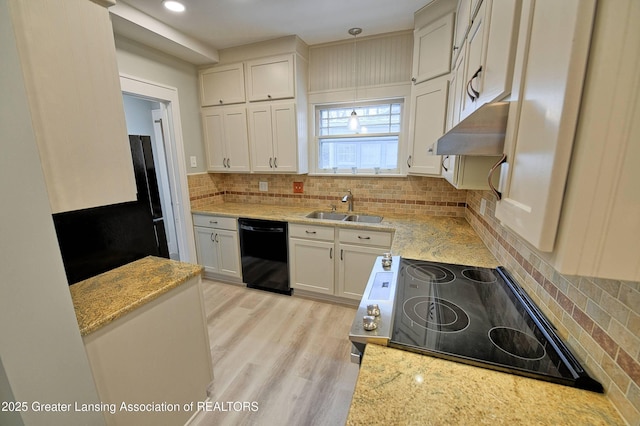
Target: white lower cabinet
<point>324,261</point>
<point>217,245</point>
<point>311,258</point>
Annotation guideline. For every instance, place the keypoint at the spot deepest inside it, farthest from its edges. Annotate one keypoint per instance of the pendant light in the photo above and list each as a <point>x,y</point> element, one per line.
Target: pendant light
<point>354,122</point>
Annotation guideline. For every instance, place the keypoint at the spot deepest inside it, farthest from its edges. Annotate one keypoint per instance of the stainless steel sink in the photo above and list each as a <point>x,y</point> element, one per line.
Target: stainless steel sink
<point>344,217</point>
<point>327,215</point>
<point>364,218</point>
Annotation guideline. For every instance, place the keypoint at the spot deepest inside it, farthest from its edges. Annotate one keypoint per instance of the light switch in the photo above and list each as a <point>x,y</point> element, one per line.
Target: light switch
<point>194,161</point>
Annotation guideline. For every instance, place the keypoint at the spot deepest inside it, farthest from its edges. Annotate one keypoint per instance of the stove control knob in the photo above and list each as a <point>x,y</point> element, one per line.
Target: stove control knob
<point>369,322</point>
<point>373,310</point>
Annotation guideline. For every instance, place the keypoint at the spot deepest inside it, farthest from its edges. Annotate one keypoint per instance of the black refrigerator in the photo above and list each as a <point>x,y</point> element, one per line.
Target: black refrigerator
<point>99,239</point>
<point>147,185</point>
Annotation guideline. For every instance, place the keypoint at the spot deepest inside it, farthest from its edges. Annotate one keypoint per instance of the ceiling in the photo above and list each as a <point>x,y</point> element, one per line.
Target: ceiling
<point>220,24</point>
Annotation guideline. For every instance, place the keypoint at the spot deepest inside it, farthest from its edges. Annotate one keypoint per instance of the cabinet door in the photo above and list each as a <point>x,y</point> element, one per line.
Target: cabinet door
<point>236,140</point>
<point>207,249</point>
<point>312,265</point>
<point>222,85</point>
<point>261,139</point>
<point>354,269</point>
<point>501,40</point>
<point>271,78</point>
<point>449,169</point>
<point>432,49</point>
<point>285,137</point>
<point>473,74</point>
<point>229,253</point>
<point>456,88</point>
<point>550,64</point>
<point>214,139</point>
<point>428,109</point>
<point>463,19</point>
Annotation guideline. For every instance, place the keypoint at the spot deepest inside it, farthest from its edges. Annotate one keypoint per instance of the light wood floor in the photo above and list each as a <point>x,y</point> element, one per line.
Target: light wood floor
<point>287,354</point>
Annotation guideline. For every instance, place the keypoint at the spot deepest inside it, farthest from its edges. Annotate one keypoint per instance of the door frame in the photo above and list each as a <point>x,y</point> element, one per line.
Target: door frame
<point>174,151</point>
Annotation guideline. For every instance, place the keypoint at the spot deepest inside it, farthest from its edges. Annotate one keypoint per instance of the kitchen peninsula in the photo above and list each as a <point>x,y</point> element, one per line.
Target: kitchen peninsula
<point>144,330</point>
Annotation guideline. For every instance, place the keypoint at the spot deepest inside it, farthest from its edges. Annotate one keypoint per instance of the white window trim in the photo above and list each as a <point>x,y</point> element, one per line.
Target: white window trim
<point>372,94</point>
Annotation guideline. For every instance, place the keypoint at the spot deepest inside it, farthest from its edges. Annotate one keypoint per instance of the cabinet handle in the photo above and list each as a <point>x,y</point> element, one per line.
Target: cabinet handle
<point>409,162</point>
<point>473,93</point>
<point>310,232</point>
<point>446,157</point>
<point>270,162</point>
<point>212,238</point>
<point>214,222</point>
<point>341,253</point>
<point>331,253</point>
<point>275,162</point>
<point>363,238</point>
<point>502,160</point>
<point>216,238</point>
<point>229,162</point>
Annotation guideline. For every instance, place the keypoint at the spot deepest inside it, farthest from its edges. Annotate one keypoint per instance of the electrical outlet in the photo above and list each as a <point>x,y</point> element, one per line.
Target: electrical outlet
<point>483,207</point>
<point>263,186</point>
<point>298,187</point>
<point>194,161</point>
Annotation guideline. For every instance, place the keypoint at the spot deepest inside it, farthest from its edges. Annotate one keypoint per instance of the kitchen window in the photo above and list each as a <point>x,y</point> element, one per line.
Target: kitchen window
<point>371,148</point>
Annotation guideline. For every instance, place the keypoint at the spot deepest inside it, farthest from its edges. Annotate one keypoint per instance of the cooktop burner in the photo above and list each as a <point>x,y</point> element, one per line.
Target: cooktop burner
<point>480,317</point>
<point>436,314</point>
<point>432,273</point>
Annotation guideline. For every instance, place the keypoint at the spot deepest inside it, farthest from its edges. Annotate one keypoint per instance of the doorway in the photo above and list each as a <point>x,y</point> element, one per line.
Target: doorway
<point>152,109</point>
<point>145,118</point>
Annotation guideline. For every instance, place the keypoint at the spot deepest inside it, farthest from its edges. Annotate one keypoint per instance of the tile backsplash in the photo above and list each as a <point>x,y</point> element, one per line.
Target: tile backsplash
<point>405,195</point>
<point>598,318</point>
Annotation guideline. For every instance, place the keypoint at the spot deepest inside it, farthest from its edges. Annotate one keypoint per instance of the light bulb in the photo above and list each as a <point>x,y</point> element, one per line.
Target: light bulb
<point>354,123</point>
<point>174,6</point>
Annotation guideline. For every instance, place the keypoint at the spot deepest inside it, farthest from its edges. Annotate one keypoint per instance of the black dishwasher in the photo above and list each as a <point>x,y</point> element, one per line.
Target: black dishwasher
<point>263,248</point>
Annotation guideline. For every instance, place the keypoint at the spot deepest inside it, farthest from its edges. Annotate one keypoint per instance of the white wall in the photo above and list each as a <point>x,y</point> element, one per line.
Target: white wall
<point>42,353</point>
<point>148,64</point>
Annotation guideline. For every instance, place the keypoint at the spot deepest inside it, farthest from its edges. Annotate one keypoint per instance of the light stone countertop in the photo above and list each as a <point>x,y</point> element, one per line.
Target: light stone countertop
<point>435,238</point>
<point>101,299</point>
<point>403,388</point>
<point>397,387</point>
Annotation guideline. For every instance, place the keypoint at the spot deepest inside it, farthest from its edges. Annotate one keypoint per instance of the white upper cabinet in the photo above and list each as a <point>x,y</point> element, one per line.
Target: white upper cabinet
<point>271,78</point>
<point>71,77</point>
<point>600,221</point>
<point>463,20</point>
<point>427,124</point>
<point>552,53</point>
<point>274,137</point>
<point>226,140</point>
<point>431,49</point>
<point>222,85</point>
<point>490,53</point>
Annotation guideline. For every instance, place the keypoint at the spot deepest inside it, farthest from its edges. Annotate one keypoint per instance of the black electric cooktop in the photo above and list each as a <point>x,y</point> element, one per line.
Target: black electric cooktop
<point>482,317</point>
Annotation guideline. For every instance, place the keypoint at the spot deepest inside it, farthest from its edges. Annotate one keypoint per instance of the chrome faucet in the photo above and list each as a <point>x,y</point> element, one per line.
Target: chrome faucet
<point>348,198</point>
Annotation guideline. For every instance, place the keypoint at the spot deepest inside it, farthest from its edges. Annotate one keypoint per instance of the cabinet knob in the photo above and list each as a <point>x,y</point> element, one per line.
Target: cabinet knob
<point>269,96</point>
<point>413,79</point>
<point>220,101</point>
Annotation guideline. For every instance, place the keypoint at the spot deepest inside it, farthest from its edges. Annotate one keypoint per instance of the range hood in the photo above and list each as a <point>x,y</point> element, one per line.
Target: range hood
<point>481,133</point>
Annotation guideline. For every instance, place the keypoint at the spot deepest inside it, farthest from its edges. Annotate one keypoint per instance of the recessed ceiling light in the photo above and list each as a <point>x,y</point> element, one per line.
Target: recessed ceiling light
<point>174,6</point>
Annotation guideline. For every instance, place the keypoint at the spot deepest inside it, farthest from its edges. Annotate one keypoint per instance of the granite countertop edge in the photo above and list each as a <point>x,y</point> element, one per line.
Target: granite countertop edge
<point>102,299</point>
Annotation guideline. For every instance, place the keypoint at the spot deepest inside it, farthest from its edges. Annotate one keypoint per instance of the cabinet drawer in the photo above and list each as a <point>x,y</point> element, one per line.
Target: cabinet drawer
<point>312,232</point>
<point>218,222</point>
<point>362,236</point>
